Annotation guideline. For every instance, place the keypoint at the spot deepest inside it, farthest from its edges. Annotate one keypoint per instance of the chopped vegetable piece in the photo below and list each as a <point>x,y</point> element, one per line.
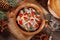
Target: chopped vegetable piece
<point>20,22</point>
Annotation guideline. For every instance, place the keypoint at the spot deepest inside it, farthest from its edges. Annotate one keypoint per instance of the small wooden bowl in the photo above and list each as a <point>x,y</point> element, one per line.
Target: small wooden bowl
<point>54,8</point>
<point>14,28</point>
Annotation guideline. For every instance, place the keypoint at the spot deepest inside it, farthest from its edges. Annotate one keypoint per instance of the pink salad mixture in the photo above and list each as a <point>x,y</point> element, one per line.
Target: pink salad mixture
<point>29,19</point>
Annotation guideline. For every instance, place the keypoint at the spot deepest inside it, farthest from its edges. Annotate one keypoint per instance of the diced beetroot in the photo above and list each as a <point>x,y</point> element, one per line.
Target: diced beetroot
<point>37,16</point>
<point>25,18</point>
<point>36,25</point>
<point>32,13</point>
<point>20,14</point>
<point>32,19</point>
<point>20,22</point>
<point>29,23</point>
<point>25,13</point>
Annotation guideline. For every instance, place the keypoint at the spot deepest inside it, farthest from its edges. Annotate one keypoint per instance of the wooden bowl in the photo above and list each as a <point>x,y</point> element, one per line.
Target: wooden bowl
<point>54,8</point>
<point>14,28</point>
